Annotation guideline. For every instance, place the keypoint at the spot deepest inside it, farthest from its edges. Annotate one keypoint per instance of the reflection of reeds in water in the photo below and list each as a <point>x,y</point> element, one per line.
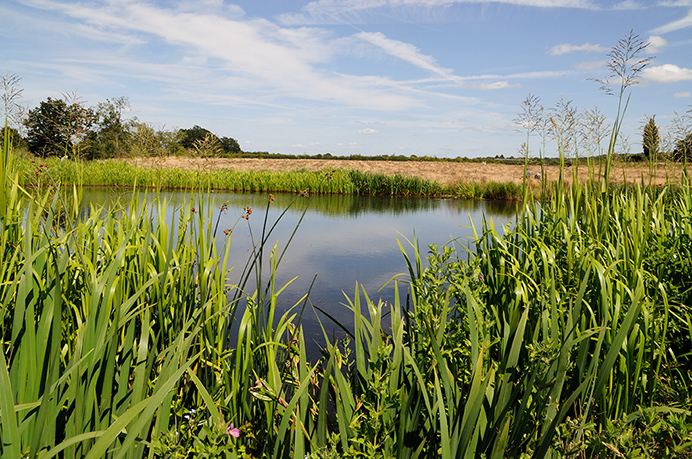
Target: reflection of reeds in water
<point>328,204</point>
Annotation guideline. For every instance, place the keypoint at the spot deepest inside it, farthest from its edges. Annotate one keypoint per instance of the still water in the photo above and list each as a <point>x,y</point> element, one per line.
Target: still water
<point>341,241</point>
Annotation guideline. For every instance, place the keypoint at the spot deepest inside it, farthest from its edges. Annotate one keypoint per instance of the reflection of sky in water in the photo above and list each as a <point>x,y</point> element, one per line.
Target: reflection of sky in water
<point>344,239</point>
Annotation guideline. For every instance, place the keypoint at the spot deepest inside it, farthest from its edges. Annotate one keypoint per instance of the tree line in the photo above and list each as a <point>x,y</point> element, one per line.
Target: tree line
<point>67,128</point>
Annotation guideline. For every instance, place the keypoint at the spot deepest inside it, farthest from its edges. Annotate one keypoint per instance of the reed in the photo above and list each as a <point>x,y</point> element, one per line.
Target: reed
<point>527,343</point>
<point>118,331</point>
<point>340,181</point>
<point>103,318</point>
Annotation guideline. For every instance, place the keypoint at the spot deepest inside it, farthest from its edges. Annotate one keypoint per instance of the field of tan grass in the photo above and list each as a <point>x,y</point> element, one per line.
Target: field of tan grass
<point>448,173</point>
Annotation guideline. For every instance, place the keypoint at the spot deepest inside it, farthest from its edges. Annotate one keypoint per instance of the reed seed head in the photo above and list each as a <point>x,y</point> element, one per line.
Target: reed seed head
<point>626,62</point>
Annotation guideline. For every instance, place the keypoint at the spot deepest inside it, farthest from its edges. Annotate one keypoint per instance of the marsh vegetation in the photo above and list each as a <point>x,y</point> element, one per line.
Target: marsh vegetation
<point>567,335</point>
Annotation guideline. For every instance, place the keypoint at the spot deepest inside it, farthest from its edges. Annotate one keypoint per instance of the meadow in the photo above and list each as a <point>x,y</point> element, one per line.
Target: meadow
<point>462,180</point>
<point>568,335</point>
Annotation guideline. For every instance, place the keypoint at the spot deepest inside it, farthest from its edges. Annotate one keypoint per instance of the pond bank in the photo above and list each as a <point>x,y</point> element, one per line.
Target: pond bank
<point>470,180</point>
<point>443,172</point>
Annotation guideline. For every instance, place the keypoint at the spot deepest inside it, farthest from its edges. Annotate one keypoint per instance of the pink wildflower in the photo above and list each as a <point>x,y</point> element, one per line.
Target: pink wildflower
<point>233,431</point>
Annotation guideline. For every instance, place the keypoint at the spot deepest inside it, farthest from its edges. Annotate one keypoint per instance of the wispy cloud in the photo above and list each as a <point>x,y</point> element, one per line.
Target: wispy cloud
<point>521,75</point>
<point>676,3</point>
<point>590,66</point>
<point>368,131</point>
<point>566,48</point>
<point>667,73</point>
<point>627,5</point>
<point>362,11</point>
<point>682,95</point>
<point>287,61</point>
<point>404,51</point>
<point>675,25</point>
<point>496,85</point>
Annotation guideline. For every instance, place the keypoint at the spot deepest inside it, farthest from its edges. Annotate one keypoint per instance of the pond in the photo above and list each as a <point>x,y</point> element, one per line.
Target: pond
<point>341,240</point>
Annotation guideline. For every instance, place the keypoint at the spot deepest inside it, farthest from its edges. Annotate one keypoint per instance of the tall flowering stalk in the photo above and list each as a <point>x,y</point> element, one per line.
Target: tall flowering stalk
<point>13,113</point>
<point>624,67</point>
<point>593,131</point>
<point>530,118</point>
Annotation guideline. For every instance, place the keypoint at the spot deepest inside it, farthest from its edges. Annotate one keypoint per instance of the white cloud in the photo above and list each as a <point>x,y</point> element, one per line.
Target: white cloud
<point>565,48</point>
<point>682,95</point>
<point>656,44</point>
<point>404,51</point>
<point>676,3</point>
<point>360,11</point>
<point>666,73</point>
<point>627,5</point>
<point>368,131</point>
<point>496,85</point>
<point>590,66</point>
<point>675,25</point>
<point>210,7</point>
<point>277,60</point>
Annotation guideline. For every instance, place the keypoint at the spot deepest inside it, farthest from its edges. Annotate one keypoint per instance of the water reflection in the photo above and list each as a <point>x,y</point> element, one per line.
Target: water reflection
<point>333,205</point>
<point>342,240</point>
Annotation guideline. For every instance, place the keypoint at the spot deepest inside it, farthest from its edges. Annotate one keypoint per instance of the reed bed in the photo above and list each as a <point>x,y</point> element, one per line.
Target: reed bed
<point>33,173</point>
<point>122,174</point>
<point>117,331</point>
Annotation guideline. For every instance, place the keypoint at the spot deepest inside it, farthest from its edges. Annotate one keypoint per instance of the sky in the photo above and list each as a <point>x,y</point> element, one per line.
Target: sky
<point>442,78</point>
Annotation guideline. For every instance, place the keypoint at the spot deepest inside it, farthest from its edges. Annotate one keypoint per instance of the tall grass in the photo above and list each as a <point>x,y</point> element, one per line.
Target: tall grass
<point>102,320</point>
<point>33,173</point>
<point>533,344</point>
<point>117,325</point>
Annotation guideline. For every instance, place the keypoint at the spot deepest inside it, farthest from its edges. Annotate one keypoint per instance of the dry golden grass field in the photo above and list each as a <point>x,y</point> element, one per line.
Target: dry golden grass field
<point>448,173</point>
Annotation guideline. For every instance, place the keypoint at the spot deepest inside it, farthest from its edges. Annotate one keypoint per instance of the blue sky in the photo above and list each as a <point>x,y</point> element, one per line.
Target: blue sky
<point>444,78</point>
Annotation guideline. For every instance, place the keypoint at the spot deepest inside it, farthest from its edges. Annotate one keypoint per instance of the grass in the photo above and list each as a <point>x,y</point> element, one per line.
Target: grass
<point>39,173</point>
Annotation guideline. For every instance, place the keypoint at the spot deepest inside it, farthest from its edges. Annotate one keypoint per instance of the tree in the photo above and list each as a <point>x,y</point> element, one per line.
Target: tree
<point>15,138</point>
<point>683,149</point>
<point>230,145</point>
<point>112,133</point>
<point>651,139</point>
<point>57,126</point>
<point>192,138</point>
<point>196,134</point>
<point>43,136</point>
